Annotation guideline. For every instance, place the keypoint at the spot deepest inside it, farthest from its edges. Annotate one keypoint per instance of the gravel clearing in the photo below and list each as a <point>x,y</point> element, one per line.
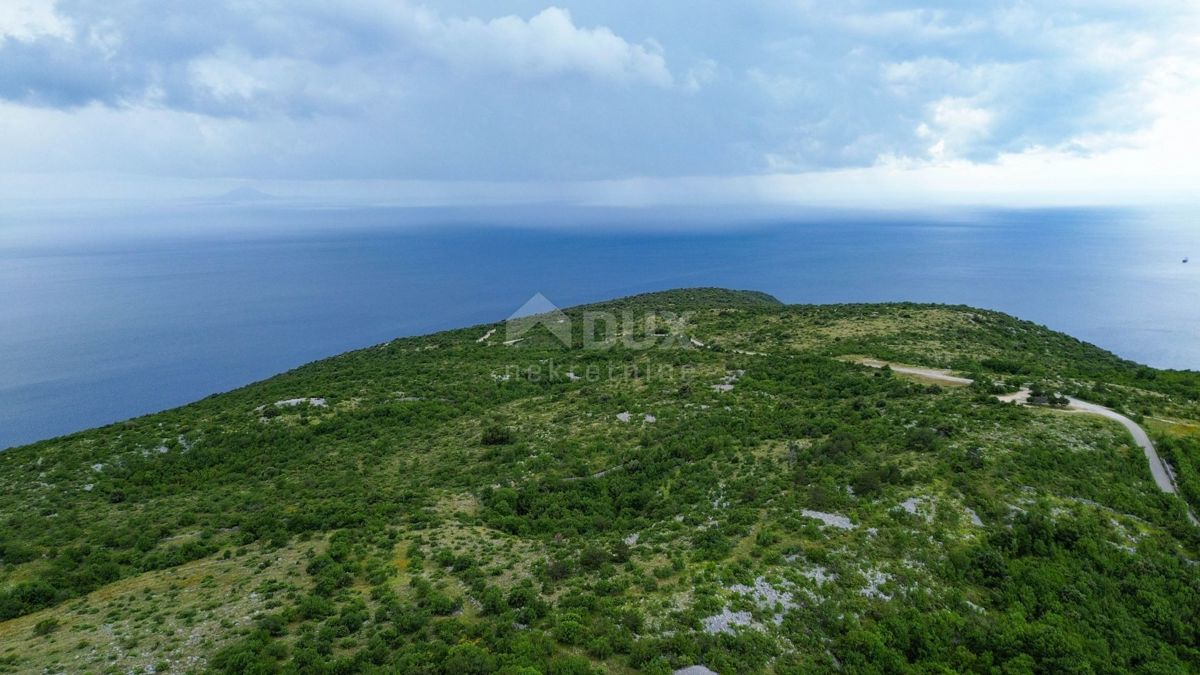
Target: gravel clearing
<point>832,519</point>
<point>768,597</point>
<point>914,505</point>
<point>695,670</point>
<point>875,579</point>
<point>726,621</point>
<point>974,517</point>
<point>819,574</point>
<point>726,383</point>
<point>292,402</point>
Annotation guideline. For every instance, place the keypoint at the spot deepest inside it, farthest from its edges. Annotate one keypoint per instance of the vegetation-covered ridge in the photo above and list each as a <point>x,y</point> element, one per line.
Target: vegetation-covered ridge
<point>725,485</point>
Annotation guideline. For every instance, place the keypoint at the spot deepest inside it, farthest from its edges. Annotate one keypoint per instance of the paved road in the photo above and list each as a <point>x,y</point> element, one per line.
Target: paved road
<point>1158,468</point>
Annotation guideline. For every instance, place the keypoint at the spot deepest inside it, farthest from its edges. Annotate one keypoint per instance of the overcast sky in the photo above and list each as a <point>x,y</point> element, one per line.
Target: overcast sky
<point>596,101</point>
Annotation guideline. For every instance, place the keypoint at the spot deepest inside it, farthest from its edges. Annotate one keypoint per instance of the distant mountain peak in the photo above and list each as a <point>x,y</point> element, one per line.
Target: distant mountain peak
<point>246,193</point>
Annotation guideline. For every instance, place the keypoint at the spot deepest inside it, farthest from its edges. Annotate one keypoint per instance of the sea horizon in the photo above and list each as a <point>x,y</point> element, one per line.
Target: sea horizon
<point>171,306</point>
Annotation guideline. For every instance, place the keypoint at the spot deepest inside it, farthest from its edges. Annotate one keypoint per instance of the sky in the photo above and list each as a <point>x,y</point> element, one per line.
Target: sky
<point>598,102</point>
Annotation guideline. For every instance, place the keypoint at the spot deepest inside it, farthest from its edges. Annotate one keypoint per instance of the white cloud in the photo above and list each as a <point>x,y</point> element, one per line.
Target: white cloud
<point>30,19</point>
<point>231,81</point>
<point>585,100</point>
<point>954,126</point>
<point>700,75</point>
<point>933,76</point>
<point>225,78</point>
<point>547,44</point>
<point>250,57</point>
<point>918,25</point>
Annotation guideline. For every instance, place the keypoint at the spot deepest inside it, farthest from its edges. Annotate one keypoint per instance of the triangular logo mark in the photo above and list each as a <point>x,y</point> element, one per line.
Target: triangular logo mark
<point>538,310</point>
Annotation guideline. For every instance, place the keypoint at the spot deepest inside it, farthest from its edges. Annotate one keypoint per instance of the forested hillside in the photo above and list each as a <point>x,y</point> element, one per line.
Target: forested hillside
<point>702,477</point>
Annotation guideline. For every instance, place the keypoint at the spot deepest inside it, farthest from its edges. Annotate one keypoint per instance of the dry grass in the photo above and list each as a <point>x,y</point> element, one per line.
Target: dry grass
<point>167,619</point>
<point>1173,427</point>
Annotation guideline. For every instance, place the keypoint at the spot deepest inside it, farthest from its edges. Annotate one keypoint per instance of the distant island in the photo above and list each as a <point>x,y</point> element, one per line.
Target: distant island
<point>699,480</point>
<point>246,193</point>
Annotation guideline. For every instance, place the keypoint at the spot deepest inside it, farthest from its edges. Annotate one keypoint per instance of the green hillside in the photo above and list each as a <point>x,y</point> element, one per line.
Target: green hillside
<point>702,477</point>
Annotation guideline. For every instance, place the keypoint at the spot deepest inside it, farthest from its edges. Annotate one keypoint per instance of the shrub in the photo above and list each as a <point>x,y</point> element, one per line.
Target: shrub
<point>273,624</point>
<point>441,604</point>
<point>569,632</point>
<point>593,557</point>
<point>467,659</point>
<point>921,439</point>
<point>496,435</point>
<point>600,648</point>
<point>492,600</point>
<point>27,597</point>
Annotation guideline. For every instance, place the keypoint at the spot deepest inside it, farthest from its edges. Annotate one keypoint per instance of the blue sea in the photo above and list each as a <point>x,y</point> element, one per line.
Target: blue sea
<point>110,313</point>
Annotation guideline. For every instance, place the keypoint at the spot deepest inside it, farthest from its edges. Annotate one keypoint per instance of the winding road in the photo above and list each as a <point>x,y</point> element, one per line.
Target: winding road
<point>1158,468</point>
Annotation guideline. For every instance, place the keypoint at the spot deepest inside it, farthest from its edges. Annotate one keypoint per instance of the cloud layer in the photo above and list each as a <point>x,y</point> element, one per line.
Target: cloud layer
<point>521,91</point>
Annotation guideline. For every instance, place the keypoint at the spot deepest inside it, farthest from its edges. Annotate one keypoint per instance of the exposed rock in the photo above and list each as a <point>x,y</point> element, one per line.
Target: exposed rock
<point>292,402</point>
<point>725,621</point>
<point>974,517</point>
<point>875,579</point>
<point>834,519</point>
<point>695,670</point>
<point>768,597</point>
